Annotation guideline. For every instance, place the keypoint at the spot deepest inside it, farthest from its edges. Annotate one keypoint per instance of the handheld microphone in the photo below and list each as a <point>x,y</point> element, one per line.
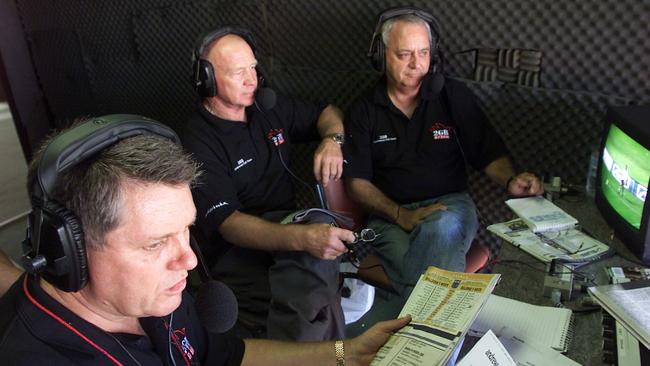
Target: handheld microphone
<point>217,307</point>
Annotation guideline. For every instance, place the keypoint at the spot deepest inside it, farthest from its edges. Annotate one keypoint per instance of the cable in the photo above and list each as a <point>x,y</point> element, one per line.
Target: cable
<point>66,324</point>
<point>295,176</point>
<point>633,260</point>
<point>286,168</point>
<point>589,278</point>
<point>506,263</point>
<point>169,338</point>
<point>585,311</point>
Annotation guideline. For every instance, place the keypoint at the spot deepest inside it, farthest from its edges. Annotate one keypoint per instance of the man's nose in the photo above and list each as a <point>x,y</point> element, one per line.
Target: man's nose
<point>185,258</point>
<point>251,76</point>
<point>415,61</point>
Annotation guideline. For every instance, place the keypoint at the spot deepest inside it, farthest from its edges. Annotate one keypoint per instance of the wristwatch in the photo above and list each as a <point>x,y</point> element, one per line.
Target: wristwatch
<point>339,350</point>
<point>339,138</point>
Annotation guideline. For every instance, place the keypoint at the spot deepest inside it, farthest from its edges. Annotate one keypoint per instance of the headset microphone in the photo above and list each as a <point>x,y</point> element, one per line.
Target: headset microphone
<point>434,83</point>
<point>377,50</point>
<point>265,98</point>
<point>216,304</point>
<point>217,307</point>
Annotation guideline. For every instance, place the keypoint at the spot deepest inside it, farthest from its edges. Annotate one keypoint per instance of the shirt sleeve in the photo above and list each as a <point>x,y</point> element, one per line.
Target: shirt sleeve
<point>480,141</point>
<point>299,118</point>
<point>224,349</point>
<point>357,147</point>
<point>215,195</point>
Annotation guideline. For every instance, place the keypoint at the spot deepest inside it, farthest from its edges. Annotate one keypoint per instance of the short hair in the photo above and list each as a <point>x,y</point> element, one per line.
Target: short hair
<point>406,18</point>
<point>210,45</point>
<point>92,189</point>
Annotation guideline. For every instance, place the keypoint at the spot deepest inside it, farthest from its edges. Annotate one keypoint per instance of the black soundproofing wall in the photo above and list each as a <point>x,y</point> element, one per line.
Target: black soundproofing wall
<point>109,56</point>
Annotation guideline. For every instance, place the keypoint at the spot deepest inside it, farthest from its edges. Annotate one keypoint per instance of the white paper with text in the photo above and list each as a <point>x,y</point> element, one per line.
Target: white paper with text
<point>442,305</point>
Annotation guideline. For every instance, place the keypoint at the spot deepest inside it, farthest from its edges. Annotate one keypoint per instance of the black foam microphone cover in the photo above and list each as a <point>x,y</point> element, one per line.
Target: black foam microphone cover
<point>217,306</point>
<point>266,98</point>
<point>435,82</point>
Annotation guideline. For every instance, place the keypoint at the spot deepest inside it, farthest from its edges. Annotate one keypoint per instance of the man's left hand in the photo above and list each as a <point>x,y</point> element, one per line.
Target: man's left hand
<point>525,184</point>
<point>328,161</point>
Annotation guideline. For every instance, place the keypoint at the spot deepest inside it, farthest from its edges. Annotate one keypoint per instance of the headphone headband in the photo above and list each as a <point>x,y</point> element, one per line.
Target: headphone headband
<point>208,38</point>
<point>55,247</point>
<point>395,12</point>
<point>204,75</point>
<point>87,139</point>
<point>376,50</point>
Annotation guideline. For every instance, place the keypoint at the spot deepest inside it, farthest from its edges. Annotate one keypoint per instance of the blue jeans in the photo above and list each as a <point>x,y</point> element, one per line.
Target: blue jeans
<point>441,240</point>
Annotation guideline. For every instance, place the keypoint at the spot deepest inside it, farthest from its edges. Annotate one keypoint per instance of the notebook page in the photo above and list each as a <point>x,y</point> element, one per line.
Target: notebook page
<point>541,214</point>
<point>543,325</point>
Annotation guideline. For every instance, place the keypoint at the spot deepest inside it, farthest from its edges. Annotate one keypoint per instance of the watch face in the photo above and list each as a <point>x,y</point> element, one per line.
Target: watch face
<point>338,138</point>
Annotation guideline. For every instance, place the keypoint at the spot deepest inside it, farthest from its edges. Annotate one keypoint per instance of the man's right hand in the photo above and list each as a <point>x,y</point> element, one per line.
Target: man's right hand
<point>362,349</point>
<point>409,219</point>
<point>324,241</point>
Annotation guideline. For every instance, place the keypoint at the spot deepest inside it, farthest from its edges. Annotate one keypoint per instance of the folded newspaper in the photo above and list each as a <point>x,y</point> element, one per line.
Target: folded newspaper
<point>570,245</point>
<point>443,305</point>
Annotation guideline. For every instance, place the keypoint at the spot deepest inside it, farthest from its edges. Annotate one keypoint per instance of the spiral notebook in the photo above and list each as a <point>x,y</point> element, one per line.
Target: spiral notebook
<point>539,325</point>
<point>541,214</point>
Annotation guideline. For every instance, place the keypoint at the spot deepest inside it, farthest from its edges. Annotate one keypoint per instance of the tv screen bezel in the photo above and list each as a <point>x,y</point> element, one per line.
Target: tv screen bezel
<point>630,120</point>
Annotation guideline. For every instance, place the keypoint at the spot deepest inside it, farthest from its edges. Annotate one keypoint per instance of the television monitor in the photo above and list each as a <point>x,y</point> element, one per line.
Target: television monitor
<point>623,175</point>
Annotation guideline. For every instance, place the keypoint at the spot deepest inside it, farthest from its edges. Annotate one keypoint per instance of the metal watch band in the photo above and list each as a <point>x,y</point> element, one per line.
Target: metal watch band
<point>340,353</point>
<point>339,138</point>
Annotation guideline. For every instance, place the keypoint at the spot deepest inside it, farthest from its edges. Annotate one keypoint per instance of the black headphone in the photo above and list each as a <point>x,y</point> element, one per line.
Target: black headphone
<point>204,79</point>
<point>54,247</point>
<point>377,50</point>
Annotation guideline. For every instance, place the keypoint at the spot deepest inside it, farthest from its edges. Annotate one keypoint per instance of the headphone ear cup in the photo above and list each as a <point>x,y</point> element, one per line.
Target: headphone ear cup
<point>206,84</point>
<point>62,244</point>
<point>434,63</point>
<point>262,76</point>
<point>381,56</point>
<point>204,76</point>
<point>377,55</point>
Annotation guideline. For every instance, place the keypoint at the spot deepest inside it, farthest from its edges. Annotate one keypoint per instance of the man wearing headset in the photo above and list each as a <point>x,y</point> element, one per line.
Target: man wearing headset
<point>408,142</point>
<point>118,298</point>
<point>285,277</point>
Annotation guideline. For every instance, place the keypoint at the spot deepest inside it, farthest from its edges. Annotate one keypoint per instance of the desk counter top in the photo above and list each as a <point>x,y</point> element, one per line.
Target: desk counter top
<point>523,279</point>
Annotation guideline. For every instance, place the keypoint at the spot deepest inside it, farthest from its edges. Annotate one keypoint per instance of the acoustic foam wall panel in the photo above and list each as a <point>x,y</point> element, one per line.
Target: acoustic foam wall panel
<point>136,56</point>
<point>139,48</point>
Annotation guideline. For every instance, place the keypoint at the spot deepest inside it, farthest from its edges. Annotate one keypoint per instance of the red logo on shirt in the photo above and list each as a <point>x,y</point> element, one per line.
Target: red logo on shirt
<point>276,136</point>
<point>440,131</point>
<point>179,339</point>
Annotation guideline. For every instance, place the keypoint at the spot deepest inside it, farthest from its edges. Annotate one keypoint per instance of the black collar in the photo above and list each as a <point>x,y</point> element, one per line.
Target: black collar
<point>55,324</point>
<point>380,93</point>
<point>215,119</point>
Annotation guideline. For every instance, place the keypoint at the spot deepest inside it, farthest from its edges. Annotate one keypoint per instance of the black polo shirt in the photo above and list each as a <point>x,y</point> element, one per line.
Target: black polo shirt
<point>241,162</point>
<point>35,329</point>
<point>423,157</point>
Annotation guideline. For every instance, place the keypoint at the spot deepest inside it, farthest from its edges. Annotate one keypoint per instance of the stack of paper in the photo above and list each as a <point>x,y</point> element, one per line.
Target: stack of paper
<point>548,326</point>
<point>533,335</point>
<point>487,351</point>
<point>570,245</point>
<point>541,214</point>
<point>628,303</point>
<point>443,304</point>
